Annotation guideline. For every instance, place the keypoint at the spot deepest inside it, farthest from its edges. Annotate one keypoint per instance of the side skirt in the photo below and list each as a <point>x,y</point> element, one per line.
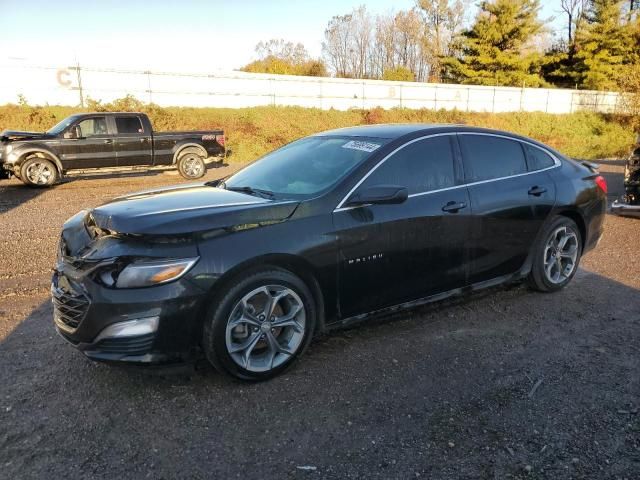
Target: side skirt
<point>505,279</point>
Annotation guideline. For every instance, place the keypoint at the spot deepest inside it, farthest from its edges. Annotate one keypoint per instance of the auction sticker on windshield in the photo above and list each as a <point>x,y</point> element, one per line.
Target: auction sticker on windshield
<point>363,146</point>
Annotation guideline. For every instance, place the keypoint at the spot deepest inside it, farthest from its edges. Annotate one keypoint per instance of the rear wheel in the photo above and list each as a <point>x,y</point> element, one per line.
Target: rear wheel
<point>38,172</point>
<point>556,256</point>
<point>191,165</point>
<point>260,326</point>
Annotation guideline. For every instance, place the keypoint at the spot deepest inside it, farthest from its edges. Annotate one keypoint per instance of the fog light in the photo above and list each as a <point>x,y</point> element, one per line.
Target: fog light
<point>129,328</point>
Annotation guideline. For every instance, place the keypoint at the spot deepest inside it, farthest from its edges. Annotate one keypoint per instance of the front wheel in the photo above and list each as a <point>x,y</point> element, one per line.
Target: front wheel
<point>260,326</point>
<point>191,165</point>
<point>556,256</point>
<point>38,172</point>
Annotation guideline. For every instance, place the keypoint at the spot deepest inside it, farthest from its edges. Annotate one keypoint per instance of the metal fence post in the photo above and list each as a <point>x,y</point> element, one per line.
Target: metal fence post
<point>149,86</point>
<point>435,97</point>
<point>493,106</point>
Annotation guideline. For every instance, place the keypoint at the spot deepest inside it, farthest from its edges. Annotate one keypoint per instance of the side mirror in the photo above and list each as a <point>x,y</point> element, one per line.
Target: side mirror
<point>379,195</point>
<point>73,132</point>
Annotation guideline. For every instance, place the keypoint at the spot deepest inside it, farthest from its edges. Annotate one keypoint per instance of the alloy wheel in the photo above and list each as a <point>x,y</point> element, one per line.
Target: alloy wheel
<point>192,166</point>
<point>561,254</point>
<point>39,173</point>
<point>266,328</point>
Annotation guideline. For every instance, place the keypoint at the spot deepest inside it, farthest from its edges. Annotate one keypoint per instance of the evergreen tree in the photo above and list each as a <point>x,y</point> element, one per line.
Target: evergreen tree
<point>605,47</point>
<point>499,47</point>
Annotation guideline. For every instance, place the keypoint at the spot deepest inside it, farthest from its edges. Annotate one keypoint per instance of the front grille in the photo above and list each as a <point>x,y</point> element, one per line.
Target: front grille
<point>69,308</point>
<point>138,345</point>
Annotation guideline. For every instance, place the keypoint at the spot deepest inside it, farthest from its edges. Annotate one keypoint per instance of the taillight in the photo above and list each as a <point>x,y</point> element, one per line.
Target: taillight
<point>220,139</point>
<point>602,183</point>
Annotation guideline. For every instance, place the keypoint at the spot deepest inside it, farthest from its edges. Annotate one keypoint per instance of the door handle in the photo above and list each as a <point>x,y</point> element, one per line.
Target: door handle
<point>453,207</point>
<point>537,191</point>
<point>108,140</point>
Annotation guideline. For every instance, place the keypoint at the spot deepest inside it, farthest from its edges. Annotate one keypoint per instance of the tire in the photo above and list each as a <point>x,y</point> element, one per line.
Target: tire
<point>38,172</point>
<point>556,256</point>
<point>238,338</point>
<point>191,164</point>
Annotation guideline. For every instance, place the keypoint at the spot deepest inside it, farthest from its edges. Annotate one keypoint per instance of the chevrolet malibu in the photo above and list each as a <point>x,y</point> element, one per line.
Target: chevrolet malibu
<point>326,231</point>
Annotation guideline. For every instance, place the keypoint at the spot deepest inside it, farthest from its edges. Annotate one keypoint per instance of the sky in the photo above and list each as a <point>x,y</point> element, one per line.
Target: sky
<point>169,36</point>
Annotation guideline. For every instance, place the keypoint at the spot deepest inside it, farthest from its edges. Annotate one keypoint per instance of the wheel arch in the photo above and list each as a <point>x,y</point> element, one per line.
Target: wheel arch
<point>579,221</point>
<point>181,147</point>
<point>24,155</point>
<point>292,263</point>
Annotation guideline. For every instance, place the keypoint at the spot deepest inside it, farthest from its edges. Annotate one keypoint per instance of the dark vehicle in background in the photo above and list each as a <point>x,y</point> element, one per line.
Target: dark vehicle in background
<point>91,141</point>
<point>630,204</point>
<point>326,231</point>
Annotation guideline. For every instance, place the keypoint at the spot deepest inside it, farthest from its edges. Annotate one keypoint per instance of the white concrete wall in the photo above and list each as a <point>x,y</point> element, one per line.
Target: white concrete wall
<point>58,85</point>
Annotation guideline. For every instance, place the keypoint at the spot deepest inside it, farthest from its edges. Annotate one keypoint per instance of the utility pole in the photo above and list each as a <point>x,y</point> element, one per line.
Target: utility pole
<point>79,76</point>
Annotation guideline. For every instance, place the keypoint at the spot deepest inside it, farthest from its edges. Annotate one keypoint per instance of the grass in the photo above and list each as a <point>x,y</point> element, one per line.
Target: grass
<point>254,131</point>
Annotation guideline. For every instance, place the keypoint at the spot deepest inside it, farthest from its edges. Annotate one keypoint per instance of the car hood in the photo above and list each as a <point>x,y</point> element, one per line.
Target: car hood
<point>187,209</point>
<point>12,135</point>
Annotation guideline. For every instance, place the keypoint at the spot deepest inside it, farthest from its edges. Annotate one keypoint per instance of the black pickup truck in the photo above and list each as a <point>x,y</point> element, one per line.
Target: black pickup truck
<point>90,141</point>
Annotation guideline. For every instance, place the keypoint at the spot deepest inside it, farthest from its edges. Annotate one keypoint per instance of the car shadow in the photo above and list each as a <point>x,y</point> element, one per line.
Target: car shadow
<point>14,193</point>
<point>461,372</point>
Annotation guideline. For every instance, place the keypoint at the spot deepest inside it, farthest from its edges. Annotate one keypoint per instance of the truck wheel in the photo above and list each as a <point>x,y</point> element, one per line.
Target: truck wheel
<point>191,165</point>
<point>38,172</point>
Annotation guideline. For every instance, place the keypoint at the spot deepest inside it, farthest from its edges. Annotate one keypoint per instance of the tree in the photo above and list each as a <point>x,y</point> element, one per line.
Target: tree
<point>442,22</point>
<point>573,9</point>
<point>605,46</point>
<point>499,47</point>
<point>285,58</point>
<point>347,45</point>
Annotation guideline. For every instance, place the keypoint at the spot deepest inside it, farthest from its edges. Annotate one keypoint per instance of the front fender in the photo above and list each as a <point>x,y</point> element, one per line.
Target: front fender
<point>21,153</point>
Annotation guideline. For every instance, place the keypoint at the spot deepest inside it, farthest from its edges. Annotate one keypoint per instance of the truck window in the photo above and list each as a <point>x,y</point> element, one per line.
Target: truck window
<point>91,127</point>
<point>129,125</point>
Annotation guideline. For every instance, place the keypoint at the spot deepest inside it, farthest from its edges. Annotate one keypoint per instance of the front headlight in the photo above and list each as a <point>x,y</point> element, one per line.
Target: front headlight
<point>8,149</point>
<point>151,272</point>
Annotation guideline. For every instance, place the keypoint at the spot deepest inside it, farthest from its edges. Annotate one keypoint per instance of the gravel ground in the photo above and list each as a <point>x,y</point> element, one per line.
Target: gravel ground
<point>507,384</point>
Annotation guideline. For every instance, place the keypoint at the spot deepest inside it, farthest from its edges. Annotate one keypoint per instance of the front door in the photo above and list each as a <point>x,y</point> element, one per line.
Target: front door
<point>133,145</point>
<point>391,254</point>
<point>511,195</point>
<point>93,147</point>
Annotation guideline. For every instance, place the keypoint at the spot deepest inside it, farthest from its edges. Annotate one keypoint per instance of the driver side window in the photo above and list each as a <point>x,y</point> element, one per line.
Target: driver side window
<point>421,166</point>
<point>91,127</point>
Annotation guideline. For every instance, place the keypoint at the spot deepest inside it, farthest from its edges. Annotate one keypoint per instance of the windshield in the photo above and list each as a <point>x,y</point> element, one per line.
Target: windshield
<point>58,128</point>
<point>306,167</point>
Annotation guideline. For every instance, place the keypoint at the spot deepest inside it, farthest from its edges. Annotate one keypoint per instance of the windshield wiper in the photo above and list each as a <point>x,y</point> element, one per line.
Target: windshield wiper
<point>252,191</point>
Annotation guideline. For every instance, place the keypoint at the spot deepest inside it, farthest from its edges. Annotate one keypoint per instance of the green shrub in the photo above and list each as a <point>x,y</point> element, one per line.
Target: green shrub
<point>251,132</point>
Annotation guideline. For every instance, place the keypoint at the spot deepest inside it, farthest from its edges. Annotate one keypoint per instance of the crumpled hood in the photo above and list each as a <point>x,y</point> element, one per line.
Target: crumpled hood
<point>187,209</point>
<point>12,135</point>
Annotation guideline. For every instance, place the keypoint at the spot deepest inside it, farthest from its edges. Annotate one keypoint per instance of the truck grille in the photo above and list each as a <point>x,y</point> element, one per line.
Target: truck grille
<point>69,308</point>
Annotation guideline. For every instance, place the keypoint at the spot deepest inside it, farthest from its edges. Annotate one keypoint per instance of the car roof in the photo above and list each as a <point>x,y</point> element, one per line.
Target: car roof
<point>398,130</point>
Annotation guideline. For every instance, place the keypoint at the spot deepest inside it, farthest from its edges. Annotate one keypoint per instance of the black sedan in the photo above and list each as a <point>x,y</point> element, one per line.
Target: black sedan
<point>327,230</point>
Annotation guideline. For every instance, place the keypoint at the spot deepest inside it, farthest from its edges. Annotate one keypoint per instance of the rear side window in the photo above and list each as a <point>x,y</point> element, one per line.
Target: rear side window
<point>421,166</point>
<point>487,157</point>
<point>128,125</point>
<point>537,158</point>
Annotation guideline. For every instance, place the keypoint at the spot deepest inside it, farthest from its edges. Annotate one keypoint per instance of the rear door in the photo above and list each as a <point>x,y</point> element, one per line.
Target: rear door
<point>511,196</point>
<point>390,254</point>
<point>133,144</point>
<point>92,149</point>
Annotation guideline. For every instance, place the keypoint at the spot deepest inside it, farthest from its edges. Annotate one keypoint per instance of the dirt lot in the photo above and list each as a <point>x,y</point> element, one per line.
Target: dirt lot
<point>508,384</point>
